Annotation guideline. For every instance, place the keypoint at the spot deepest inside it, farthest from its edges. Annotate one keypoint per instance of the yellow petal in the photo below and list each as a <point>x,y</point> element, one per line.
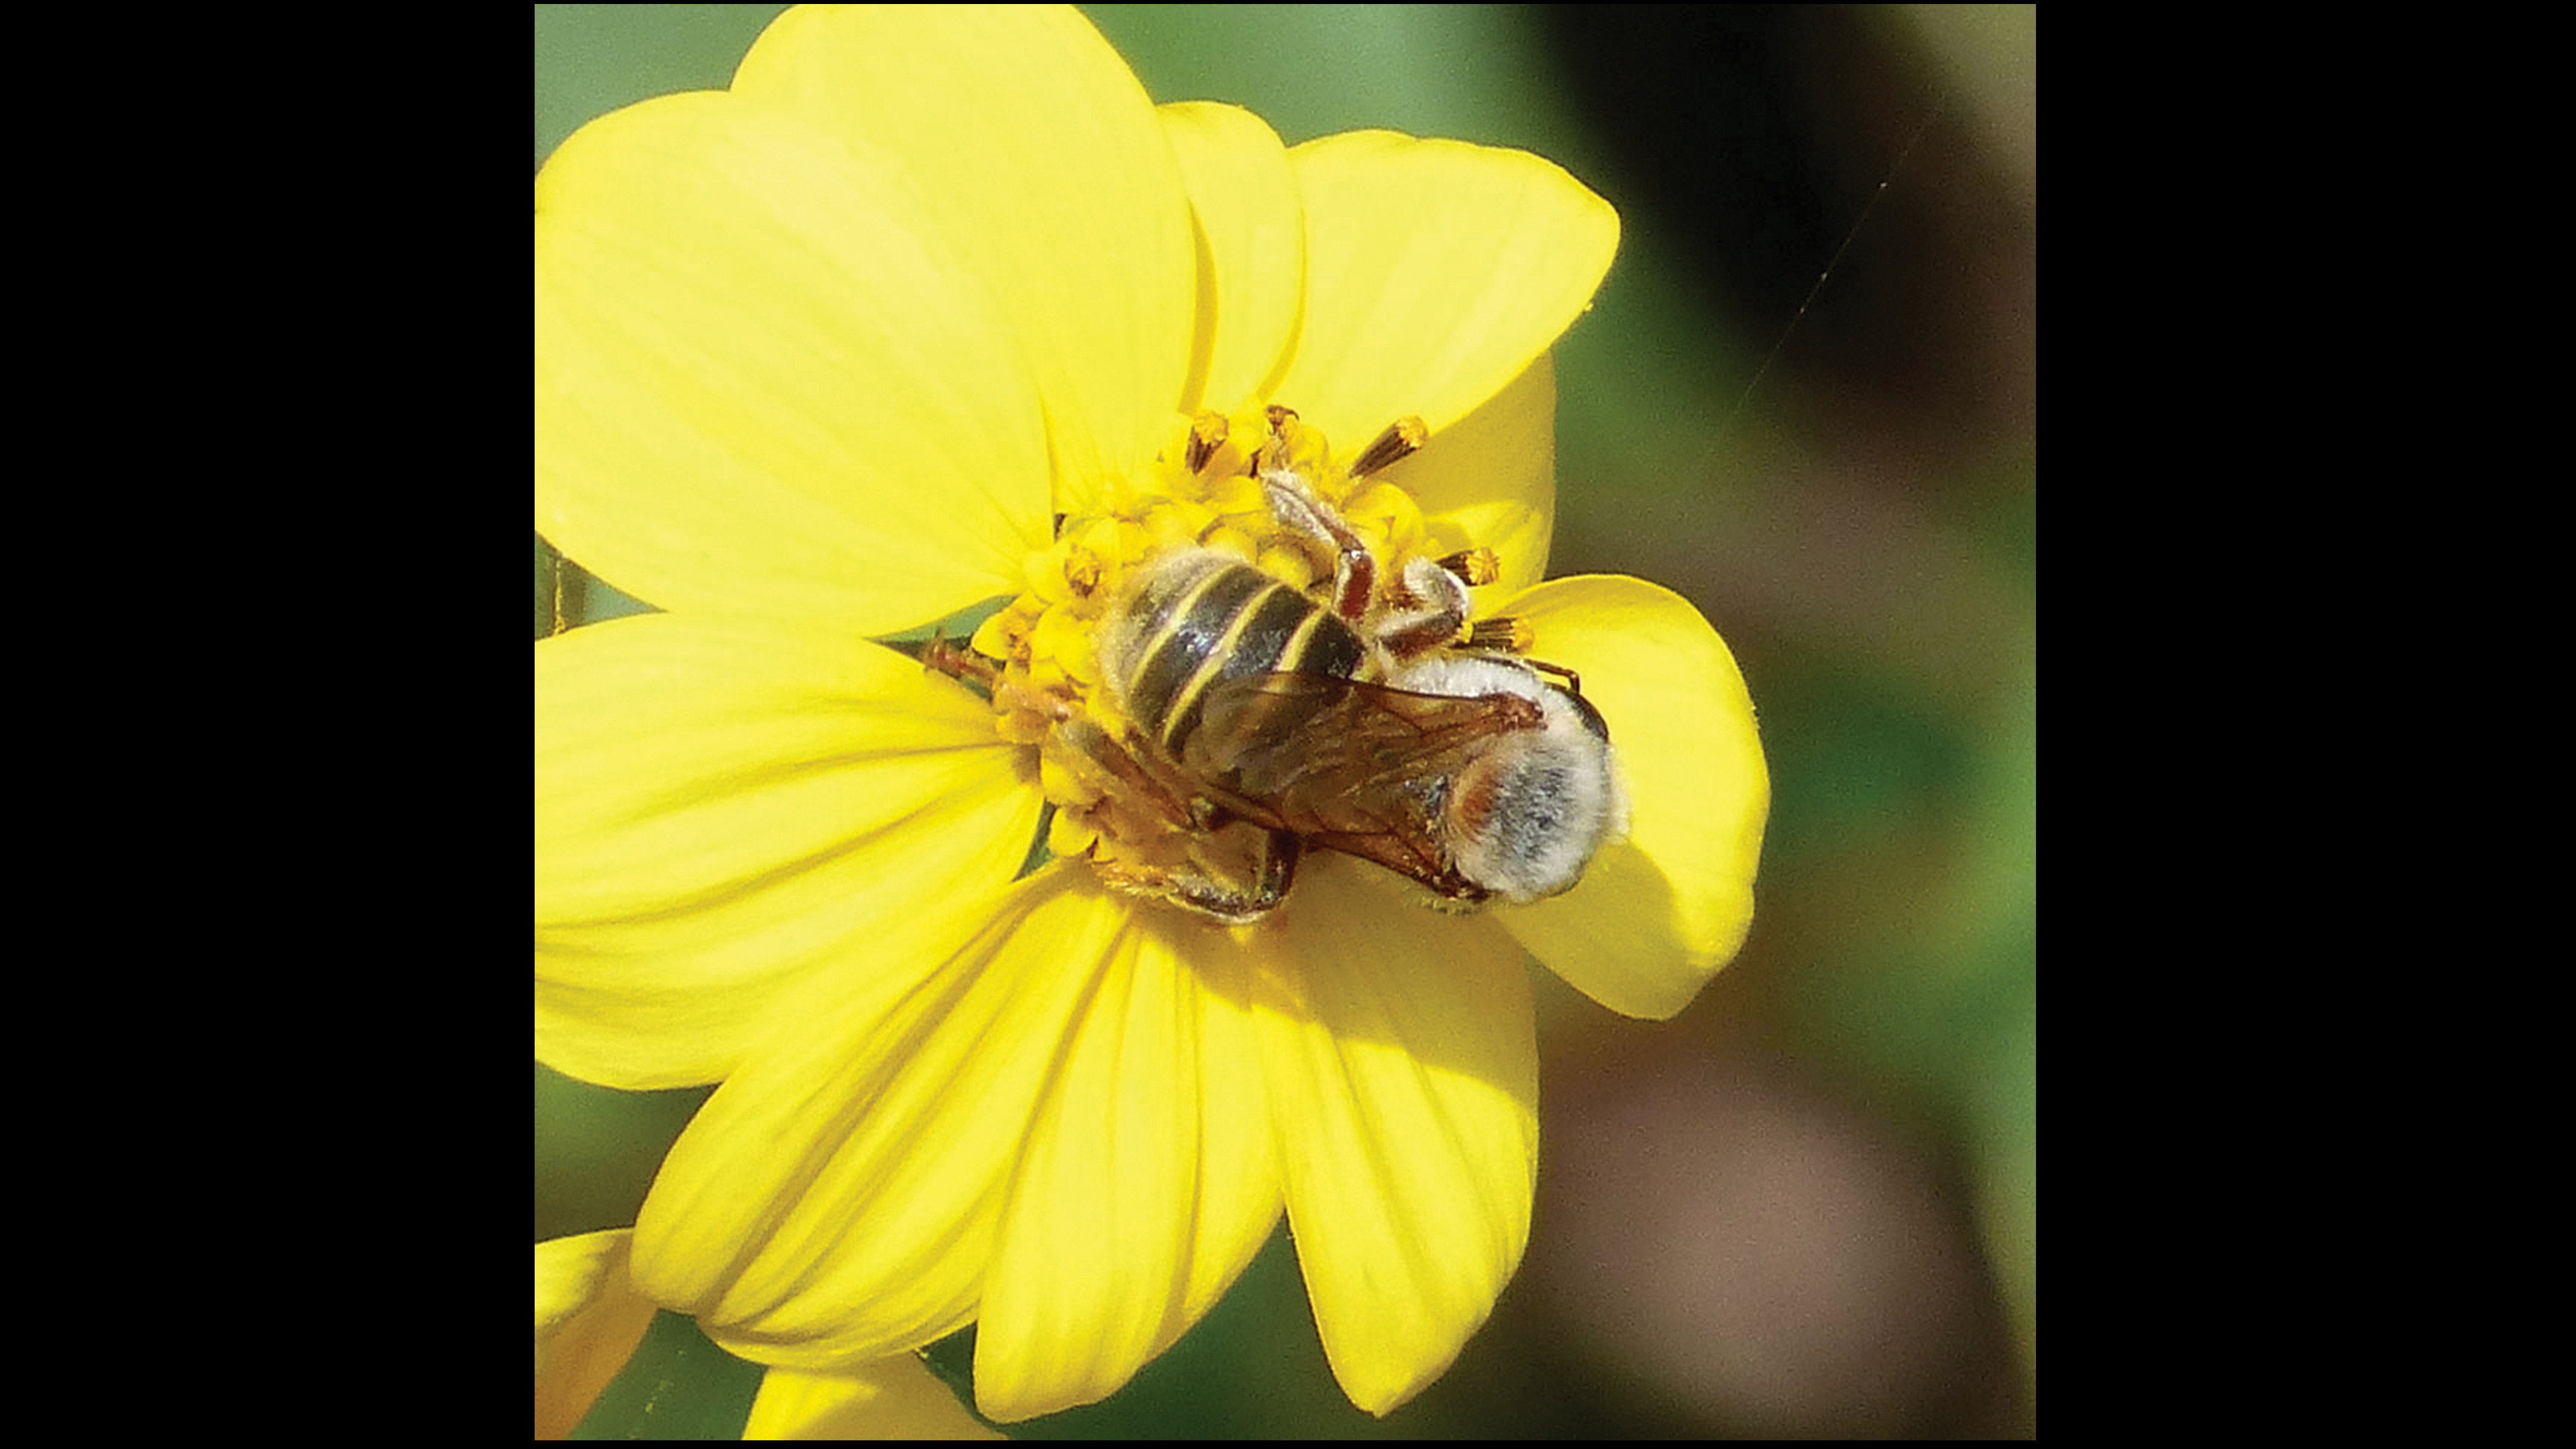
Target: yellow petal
<point>836,1198</point>
<point>1403,1069</point>
<point>1436,272</point>
<point>1252,251</point>
<point>1489,480</point>
<point>1149,1180</point>
<point>726,808</point>
<point>589,1319</point>
<point>892,1398</point>
<point>1051,180</point>
<point>762,386</point>
<point>1656,917</point>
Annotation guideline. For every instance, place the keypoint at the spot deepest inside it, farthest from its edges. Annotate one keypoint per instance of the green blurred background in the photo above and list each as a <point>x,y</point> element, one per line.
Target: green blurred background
<point>1807,1205</point>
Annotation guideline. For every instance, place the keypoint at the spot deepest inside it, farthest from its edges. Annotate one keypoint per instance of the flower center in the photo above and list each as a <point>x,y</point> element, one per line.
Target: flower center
<point>1219,487</point>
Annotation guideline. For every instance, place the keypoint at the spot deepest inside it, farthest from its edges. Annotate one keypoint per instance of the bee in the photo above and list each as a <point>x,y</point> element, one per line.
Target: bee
<point>1369,721</point>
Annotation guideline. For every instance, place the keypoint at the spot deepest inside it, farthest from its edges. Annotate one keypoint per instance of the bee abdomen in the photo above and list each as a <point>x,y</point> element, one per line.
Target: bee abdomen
<point>1199,618</point>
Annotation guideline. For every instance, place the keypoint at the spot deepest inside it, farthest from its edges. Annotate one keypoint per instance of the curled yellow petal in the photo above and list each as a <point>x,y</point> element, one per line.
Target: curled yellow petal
<point>1655,917</point>
<point>589,1320</point>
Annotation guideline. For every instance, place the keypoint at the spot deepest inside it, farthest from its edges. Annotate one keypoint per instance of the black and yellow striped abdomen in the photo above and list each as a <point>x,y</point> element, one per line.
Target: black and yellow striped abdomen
<point>1198,618</point>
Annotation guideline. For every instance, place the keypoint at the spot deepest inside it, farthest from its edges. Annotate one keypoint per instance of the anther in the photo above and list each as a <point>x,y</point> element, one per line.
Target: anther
<point>1474,566</point>
<point>1207,434</point>
<point>1402,439</point>
<point>1512,636</point>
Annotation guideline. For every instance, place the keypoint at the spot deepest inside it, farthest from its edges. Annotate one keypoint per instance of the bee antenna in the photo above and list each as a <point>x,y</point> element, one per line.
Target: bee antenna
<point>1573,681</point>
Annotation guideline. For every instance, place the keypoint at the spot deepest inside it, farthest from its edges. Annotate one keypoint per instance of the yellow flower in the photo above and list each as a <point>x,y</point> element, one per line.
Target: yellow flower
<point>590,1319</point>
<point>826,357</point>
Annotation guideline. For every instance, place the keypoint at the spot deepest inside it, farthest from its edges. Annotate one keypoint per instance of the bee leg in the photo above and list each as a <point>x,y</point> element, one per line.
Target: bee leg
<point>1231,870</point>
<point>1573,681</point>
<point>1427,610</point>
<point>1504,635</point>
<point>1126,778</point>
<point>1240,872</point>
<point>940,656</point>
<point>1295,505</point>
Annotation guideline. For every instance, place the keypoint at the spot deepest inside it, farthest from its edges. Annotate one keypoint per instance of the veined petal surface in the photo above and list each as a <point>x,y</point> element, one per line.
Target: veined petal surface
<point>1052,182</point>
<point>1252,251</point>
<point>1436,272</point>
<point>590,1319</point>
<point>1656,916</point>
<point>763,386</point>
<point>896,1397</point>
<point>1149,1180</point>
<point>837,1197</point>
<point>1403,1066</point>
<point>727,808</point>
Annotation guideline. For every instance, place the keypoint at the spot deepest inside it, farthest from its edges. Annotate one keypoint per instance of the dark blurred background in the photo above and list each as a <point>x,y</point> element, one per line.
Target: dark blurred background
<point>1807,1205</point>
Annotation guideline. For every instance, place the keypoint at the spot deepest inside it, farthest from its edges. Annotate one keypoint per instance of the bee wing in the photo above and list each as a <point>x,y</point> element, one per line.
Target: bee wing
<point>1356,767</point>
